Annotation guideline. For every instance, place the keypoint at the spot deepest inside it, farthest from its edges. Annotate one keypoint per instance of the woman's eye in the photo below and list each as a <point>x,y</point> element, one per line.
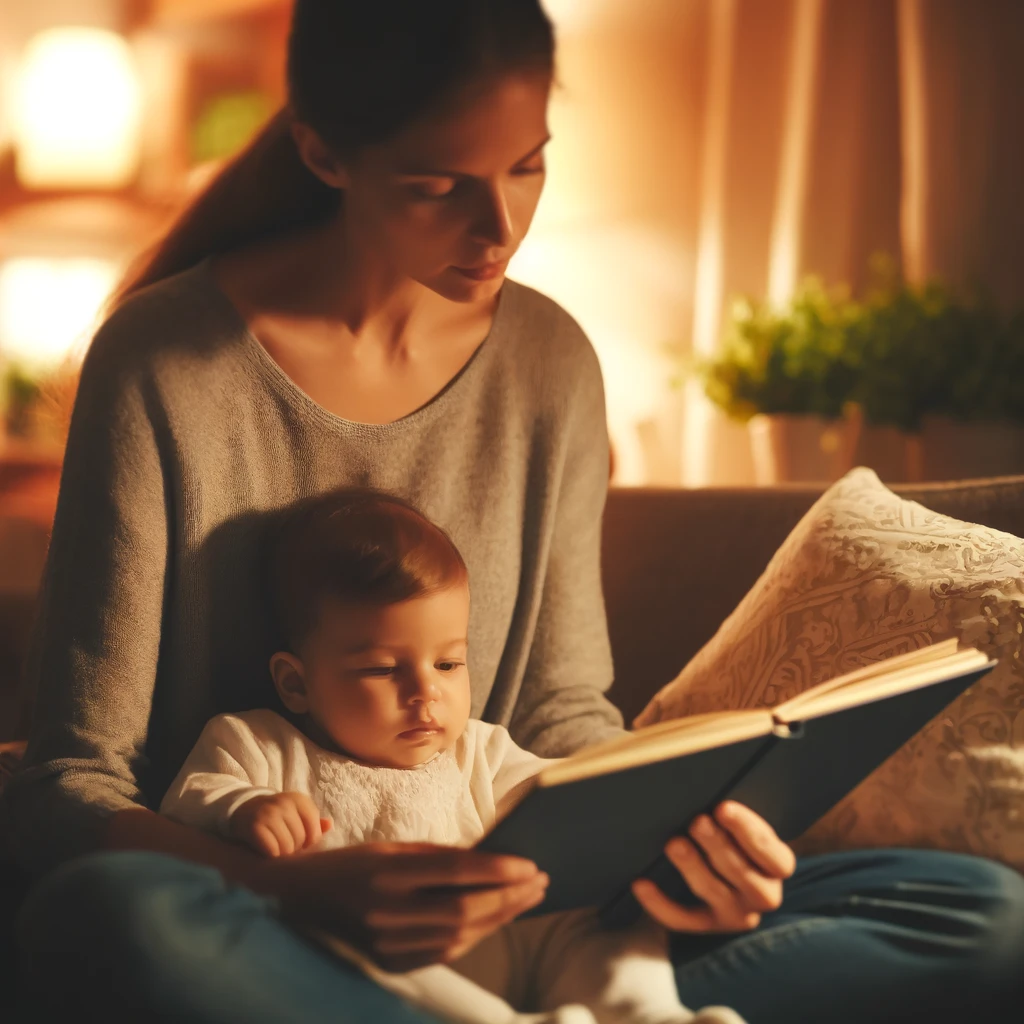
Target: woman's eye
<point>447,188</point>
<point>433,190</point>
<point>378,670</point>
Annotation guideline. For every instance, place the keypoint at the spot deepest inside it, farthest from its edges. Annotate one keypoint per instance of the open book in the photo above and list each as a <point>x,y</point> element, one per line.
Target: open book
<point>601,818</point>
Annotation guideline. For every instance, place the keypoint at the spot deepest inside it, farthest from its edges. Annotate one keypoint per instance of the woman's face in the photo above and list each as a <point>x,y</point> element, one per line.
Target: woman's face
<point>448,200</point>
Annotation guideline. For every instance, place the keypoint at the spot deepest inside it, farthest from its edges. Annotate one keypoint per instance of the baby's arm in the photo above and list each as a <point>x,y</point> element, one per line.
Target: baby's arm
<point>229,769</point>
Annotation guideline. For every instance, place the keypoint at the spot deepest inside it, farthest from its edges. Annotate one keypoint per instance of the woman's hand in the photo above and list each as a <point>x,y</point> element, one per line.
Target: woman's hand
<point>404,904</point>
<point>740,879</point>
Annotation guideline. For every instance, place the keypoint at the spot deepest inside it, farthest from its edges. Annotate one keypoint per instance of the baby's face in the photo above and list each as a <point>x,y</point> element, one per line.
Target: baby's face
<point>389,685</point>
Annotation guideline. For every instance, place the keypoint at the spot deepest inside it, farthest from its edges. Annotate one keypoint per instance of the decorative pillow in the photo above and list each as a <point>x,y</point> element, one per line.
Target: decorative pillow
<point>866,575</point>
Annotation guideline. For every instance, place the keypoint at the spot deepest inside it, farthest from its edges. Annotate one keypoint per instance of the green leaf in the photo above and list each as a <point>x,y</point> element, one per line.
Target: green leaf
<point>901,353</point>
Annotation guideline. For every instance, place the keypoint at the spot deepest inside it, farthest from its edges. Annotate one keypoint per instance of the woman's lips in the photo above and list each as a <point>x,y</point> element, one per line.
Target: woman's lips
<point>486,272</point>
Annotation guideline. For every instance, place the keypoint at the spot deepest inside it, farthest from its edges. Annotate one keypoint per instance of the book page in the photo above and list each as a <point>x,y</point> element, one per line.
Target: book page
<point>660,742</point>
<point>813,705</point>
<point>638,737</point>
<point>692,734</point>
<point>888,666</point>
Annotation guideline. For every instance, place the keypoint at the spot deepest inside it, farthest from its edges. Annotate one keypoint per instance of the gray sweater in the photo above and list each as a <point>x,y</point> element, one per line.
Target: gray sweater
<point>186,437</point>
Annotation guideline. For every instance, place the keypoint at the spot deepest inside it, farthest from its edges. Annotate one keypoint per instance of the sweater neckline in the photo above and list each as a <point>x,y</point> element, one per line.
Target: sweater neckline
<point>303,403</point>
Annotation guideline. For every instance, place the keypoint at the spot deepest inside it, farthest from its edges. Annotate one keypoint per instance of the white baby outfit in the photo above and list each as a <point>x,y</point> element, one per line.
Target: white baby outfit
<point>565,967</point>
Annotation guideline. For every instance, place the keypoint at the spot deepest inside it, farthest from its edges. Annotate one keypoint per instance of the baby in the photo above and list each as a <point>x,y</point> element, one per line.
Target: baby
<point>372,602</point>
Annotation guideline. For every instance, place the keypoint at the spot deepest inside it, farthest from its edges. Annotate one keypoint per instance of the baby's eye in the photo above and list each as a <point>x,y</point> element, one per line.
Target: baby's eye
<point>378,670</point>
<point>448,666</point>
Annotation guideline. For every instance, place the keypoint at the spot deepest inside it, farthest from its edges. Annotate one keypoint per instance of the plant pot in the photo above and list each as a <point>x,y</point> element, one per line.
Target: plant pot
<point>962,449</point>
<point>805,449</point>
<point>892,453</point>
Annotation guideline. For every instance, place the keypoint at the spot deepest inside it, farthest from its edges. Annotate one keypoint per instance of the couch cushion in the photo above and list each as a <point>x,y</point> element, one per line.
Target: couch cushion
<point>866,575</point>
<point>677,561</point>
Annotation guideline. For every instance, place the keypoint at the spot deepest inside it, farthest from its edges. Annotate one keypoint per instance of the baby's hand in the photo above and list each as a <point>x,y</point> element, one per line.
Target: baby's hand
<point>279,824</point>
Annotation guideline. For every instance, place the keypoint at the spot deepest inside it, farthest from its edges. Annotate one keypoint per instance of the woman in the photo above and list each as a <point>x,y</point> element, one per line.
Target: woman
<point>333,311</point>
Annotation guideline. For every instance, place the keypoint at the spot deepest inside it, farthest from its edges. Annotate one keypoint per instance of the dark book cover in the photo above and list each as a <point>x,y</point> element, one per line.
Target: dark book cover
<point>792,782</point>
<point>798,780</point>
<point>595,835</point>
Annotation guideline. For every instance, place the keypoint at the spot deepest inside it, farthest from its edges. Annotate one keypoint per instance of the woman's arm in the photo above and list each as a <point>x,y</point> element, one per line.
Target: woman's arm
<point>403,904</point>
<point>92,666</point>
<point>562,704</point>
<point>143,829</point>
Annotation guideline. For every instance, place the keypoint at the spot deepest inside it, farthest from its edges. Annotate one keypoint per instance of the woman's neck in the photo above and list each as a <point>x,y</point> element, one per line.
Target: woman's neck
<point>296,298</point>
<point>324,278</point>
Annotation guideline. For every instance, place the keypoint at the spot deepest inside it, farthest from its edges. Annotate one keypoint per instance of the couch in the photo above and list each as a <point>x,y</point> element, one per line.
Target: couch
<point>657,542</point>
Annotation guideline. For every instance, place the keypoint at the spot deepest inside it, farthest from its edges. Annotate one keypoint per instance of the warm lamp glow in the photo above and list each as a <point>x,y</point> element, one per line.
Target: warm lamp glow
<point>77,111</point>
<point>47,306</point>
<point>621,281</point>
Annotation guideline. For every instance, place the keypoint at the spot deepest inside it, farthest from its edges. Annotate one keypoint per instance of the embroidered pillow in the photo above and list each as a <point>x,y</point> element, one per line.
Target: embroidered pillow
<point>863,576</point>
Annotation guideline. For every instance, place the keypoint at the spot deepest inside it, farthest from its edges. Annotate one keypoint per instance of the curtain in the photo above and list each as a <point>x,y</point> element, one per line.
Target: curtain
<point>751,142</point>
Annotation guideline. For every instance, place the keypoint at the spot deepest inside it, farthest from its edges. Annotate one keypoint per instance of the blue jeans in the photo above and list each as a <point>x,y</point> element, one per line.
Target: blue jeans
<point>889,935</point>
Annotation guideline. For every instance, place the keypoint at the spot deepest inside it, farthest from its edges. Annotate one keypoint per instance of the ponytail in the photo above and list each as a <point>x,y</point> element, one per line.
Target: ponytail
<point>265,189</point>
<point>357,73</point>
<point>262,191</point>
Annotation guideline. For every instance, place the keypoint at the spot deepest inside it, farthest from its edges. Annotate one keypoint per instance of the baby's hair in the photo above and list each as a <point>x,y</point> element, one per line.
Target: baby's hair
<point>356,545</point>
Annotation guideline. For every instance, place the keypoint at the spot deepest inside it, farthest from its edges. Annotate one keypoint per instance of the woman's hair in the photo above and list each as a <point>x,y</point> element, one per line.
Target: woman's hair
<point>358,72</point>
<point>358,546</point>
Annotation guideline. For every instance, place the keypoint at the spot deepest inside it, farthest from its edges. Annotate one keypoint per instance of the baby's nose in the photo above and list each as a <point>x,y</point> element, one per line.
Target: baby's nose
<point>426,690</point>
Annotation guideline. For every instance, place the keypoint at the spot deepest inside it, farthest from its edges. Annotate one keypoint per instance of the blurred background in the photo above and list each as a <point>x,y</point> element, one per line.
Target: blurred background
<point>850,169</point>
<point>793,229</point>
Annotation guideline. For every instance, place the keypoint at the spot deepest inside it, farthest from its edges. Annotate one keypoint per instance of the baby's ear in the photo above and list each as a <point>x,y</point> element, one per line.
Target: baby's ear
<point>289,681</point>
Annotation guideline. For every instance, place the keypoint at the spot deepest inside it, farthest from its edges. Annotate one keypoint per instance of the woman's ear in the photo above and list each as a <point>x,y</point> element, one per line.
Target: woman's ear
<point>290,682</point>
<point>317,157</point>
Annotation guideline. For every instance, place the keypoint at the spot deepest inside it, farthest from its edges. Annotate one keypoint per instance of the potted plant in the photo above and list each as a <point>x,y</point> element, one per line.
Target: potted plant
<point>947,371</point>
<point>790,375</point>
<point>919,382</point>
